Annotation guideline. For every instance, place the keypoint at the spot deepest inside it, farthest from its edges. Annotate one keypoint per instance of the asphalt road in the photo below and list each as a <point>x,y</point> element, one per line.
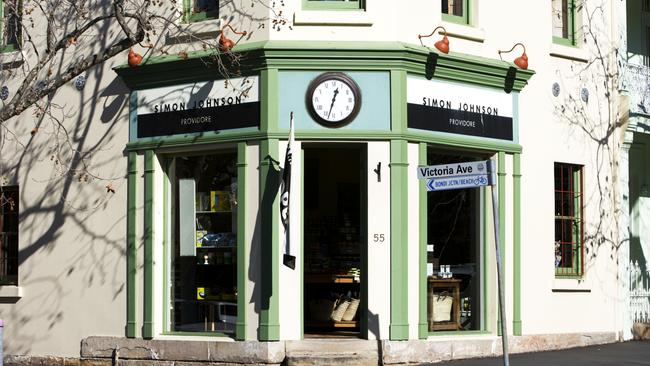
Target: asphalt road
<point>616,354</point>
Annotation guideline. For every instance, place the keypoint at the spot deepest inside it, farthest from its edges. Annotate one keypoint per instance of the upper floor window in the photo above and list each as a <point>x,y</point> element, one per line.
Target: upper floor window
<point>332,4</point>
<point>563,12</point>
<point>455,11</point>
<point>9,235</point>
<point>10,26</point>
<point>198,10</point>
<point>568,220</point>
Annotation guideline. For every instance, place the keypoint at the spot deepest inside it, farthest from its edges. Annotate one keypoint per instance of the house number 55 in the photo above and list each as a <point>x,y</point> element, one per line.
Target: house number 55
<point>378,238</point>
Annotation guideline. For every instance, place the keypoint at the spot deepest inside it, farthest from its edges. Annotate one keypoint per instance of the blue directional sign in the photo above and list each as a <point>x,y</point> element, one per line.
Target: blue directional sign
<point>458,182</point>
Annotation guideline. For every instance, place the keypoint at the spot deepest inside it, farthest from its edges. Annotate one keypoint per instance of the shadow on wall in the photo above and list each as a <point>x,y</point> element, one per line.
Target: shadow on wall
<point>261,251</point>
<point>583,105</point>
<point>72,243</point>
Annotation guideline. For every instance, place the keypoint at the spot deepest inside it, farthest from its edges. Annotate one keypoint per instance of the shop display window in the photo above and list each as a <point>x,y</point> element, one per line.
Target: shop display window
<point>204,243</point>
<point>454,253</point>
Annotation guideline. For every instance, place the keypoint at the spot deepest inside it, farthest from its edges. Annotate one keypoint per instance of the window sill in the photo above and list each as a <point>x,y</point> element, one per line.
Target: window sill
<point>569,52</point>
<point>569,285</point>
<point>10,291</point>
<point>333,17</point>
<point>463,31</point>
<point>190,32</point>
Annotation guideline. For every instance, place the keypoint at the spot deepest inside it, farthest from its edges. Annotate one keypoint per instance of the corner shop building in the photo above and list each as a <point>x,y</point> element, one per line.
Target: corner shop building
<point>204,199</point>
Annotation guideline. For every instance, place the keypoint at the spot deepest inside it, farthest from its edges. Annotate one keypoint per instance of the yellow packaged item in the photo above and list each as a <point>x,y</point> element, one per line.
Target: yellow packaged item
<point>200,293</point>
<point>219,201</point>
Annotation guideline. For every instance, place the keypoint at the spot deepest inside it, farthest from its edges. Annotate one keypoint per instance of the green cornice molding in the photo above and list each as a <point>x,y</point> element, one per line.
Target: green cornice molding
<point>325,55</point>
<point>438,138</point>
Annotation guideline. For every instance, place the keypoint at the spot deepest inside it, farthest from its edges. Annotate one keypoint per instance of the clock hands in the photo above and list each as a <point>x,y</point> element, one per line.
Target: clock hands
<point>336,91</point>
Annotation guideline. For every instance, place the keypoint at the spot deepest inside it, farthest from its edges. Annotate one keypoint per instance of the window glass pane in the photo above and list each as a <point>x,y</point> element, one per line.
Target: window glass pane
<point>204,251</point>
<point>563,230</point>
<point>209,6</point>
<point>453,7</point>
<point>646,57</point>
<point>454,253</point>
<point>560,19</point>
<point>9,216</point>
<point>568,230</point>
<point>205,9</point>
<point>11,23</point>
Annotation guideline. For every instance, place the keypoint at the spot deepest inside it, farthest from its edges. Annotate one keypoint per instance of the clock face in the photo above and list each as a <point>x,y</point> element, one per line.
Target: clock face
<point>333,99</point>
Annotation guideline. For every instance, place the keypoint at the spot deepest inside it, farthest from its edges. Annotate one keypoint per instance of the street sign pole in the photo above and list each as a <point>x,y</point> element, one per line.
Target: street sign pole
<point>497,245</point>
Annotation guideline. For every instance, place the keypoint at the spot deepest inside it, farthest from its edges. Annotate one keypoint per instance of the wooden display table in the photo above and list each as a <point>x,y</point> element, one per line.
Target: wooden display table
<point>435,287</point>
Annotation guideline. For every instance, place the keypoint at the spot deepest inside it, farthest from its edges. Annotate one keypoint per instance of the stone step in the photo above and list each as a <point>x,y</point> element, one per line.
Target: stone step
<point>332,360</point>
<point>323,352</point>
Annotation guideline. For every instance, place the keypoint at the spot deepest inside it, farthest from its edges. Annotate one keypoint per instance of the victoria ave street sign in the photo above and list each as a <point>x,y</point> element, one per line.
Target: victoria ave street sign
<point>453,170</point>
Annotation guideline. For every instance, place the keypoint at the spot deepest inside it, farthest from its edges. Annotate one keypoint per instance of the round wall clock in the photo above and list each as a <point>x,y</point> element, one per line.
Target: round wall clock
<point>333,99</point>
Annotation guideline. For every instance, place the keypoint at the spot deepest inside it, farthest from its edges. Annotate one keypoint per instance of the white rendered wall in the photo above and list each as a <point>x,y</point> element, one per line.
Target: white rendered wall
<point>413,267</point>
<point>548,134</point>
<point>291,291</point>
<point>378,253</point>
<point>72,237</point>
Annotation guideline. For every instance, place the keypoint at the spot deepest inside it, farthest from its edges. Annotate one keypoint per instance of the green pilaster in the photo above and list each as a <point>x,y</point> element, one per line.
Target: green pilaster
<point>301,247</point>
<point>516,240</point>
<point>131,244</point>
<point>501,185</point>
<point>398,241</point>
<point>398,101</point>
<point>147,326</point>
<point>166,230</point>
<point>270,214</point>
<point>242,252</point>
<point>269,92</point>
<point>423,325</point>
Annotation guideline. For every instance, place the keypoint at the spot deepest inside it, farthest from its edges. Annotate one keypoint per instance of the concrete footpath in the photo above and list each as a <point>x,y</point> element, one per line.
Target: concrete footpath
<point>614,354</point>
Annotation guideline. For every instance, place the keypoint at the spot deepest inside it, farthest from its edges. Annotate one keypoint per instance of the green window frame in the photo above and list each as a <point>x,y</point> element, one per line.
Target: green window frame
<point>9,221</point>
<point>564,22</point>
<point>333,4</point>
<point>192,11</point>
<point>569,224</point>
<point>10,16</point>
<point>450,15</point>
